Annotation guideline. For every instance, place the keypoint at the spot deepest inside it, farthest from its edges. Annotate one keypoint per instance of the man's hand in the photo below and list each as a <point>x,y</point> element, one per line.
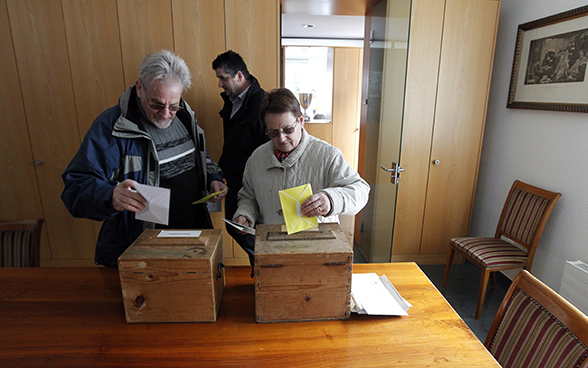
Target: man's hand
<point>125,197</point>
<point>316,205</point>
<point>217,186</point>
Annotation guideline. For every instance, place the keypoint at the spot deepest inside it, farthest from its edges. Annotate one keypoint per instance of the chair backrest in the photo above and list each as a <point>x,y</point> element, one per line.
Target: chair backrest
<point>20,243</point>
<point>536,327</point>
<point>525,213</point>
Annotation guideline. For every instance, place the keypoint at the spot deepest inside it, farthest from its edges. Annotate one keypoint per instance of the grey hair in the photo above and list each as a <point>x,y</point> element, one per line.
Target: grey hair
<point>165,66</point>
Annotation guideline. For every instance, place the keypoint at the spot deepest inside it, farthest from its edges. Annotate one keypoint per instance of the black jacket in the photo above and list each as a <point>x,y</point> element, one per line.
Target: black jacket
<point>242,135</point>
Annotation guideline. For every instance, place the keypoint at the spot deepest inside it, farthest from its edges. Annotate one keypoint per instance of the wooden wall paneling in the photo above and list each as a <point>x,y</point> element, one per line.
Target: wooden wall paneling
<point>94,51</point>
<point>199,36</point>
<point>346,101</point>
<point>45,76</point>
<point>322,131</point>
<point>145,27</point>
<point>252,30</point>
<point>19,198</point>
<point>424,49</point>
<point>465,70</point>
<point>95,57</point>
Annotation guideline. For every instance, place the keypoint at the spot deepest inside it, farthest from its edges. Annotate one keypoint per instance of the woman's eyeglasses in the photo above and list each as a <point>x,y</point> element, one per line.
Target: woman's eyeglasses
<point>289,129</point>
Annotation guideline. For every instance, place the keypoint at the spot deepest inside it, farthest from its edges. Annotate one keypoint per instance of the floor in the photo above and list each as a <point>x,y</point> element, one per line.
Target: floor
<point>462,293</point>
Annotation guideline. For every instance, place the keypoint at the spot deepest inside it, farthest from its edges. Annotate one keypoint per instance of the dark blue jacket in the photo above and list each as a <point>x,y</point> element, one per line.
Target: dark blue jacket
<point>114,149</point>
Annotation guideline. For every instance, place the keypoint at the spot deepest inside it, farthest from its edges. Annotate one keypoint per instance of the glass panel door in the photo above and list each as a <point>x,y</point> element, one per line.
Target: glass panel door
<point>383,126</point>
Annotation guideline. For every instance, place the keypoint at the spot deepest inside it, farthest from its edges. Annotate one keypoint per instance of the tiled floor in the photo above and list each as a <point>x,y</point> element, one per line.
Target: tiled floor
<point>462,293</point>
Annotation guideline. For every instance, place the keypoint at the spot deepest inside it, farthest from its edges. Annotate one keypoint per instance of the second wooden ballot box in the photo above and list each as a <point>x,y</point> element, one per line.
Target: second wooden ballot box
<point>173,276</point>
<point>304,276</point>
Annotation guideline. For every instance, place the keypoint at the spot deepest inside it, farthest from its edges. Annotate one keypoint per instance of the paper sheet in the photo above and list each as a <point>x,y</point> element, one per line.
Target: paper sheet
<point>243,228</point>
<point>179,234</point>
<point>376,295</point>
<point>291,200</point>
<point>157,207</point>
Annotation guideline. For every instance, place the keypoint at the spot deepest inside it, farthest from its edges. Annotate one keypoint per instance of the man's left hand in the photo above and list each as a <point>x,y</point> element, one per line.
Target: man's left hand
<point>217,186</point>
<point>316,205</point>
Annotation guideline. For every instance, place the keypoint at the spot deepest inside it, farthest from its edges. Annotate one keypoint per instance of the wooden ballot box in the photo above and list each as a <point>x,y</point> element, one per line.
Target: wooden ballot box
<point>172,279</point>
<point>304,276</point>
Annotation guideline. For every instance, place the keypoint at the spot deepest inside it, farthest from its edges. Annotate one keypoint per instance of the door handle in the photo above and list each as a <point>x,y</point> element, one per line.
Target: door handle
<point>394,172</point>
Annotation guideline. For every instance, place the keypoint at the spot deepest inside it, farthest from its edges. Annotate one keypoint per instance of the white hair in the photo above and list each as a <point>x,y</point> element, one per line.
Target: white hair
<point>165,66</point>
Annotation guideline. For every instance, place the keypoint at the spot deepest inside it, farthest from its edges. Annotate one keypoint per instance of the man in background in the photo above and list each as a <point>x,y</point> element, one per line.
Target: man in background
<point>243,130</point>
<point>150,137</point>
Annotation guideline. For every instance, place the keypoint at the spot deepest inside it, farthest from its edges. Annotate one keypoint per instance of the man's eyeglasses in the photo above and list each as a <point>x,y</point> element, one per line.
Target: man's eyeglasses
<point>159,106</point>
<point>289,129</point>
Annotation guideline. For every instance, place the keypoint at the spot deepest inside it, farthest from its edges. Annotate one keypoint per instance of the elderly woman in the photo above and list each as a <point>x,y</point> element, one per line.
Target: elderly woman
<point>293,158</point>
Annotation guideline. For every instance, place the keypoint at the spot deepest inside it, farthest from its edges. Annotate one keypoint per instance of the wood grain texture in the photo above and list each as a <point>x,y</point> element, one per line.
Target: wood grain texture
<point>465,71</point>
<point>172,279</point>
<point>94,53</point>
<point>75,317</point>
<point>424,53</point>
<point>347,64</point>
<point>24,200</point>
<point>199,37</point>
<point>252,30</point>
<point>40,46</point>
<point>145,27</point>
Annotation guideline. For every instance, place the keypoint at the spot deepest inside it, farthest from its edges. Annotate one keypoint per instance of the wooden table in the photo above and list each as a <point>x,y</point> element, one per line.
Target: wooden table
<point>75,317</point>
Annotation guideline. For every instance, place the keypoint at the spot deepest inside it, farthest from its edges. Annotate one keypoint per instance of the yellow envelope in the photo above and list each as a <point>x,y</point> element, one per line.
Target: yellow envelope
<point>291,200</point>
<point>208,197</point>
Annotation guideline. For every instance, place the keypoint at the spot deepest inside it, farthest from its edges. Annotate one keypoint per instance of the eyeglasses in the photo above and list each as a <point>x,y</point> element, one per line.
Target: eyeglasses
<point>289,129</point>
<point>159,106</point>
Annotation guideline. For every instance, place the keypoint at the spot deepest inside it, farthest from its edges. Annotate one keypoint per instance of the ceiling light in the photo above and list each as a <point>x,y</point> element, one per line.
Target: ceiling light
<point>307,25</point>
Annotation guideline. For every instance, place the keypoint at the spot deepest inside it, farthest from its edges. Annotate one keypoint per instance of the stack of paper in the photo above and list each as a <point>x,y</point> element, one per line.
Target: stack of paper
<point>371,294</point>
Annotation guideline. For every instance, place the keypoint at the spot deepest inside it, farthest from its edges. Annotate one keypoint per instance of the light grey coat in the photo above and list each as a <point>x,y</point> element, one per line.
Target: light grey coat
<point>314,161</point>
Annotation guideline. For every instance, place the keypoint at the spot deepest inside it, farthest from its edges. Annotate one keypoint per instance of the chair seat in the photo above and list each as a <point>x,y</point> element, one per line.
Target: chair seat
<point>491,252</point>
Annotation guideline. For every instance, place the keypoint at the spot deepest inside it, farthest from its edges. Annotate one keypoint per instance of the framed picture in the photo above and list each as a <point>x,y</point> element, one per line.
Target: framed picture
<point>549,68</point>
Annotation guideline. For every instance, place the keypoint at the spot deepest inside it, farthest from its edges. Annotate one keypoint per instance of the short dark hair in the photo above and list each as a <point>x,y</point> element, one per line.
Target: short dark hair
<point>232,63</point>
<point>278,101</point>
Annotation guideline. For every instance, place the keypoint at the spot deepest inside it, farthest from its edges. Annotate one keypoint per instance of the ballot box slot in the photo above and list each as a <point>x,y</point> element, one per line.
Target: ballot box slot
<point>301,236</point>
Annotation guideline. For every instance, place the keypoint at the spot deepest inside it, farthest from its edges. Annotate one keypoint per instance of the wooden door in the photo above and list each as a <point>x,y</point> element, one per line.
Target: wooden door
<point>465,71</point>
<point>93,45</point>
<point>450,55</point>
<point>40,46</point>
<point>424,52</point>
<point>17,168</point>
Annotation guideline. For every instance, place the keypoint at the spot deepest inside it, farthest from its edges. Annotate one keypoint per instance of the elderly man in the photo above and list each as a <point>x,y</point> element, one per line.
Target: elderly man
<point>243,130</point>
<point>150,137</point>
<point>293,158</point>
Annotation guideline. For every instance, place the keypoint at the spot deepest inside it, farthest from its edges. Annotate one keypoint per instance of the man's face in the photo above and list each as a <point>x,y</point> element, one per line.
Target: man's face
<point>233,86</point>
<point>157,95</point>
<point>278,126</point>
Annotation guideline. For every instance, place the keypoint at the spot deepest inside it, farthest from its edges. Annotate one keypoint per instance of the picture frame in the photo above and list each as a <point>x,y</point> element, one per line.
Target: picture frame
<point>549,67</point>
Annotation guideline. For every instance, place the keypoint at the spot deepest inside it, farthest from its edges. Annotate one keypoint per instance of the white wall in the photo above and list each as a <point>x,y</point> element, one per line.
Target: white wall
<point>548,149</point>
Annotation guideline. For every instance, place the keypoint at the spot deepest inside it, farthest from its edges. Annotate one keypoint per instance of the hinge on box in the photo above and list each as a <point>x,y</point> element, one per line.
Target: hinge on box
<point>219,272</point>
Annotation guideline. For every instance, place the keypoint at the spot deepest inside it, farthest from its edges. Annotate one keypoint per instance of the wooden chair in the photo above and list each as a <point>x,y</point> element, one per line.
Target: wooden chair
<point>536,327</point>
<point>522,221</point>
<point>20,243</point>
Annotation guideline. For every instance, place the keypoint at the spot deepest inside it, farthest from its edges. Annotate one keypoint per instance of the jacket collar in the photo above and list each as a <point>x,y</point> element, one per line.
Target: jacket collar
<point>293,157</point>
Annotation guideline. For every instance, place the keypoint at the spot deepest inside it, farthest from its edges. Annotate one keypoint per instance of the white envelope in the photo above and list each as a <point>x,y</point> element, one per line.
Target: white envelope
<point>157,207</point>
